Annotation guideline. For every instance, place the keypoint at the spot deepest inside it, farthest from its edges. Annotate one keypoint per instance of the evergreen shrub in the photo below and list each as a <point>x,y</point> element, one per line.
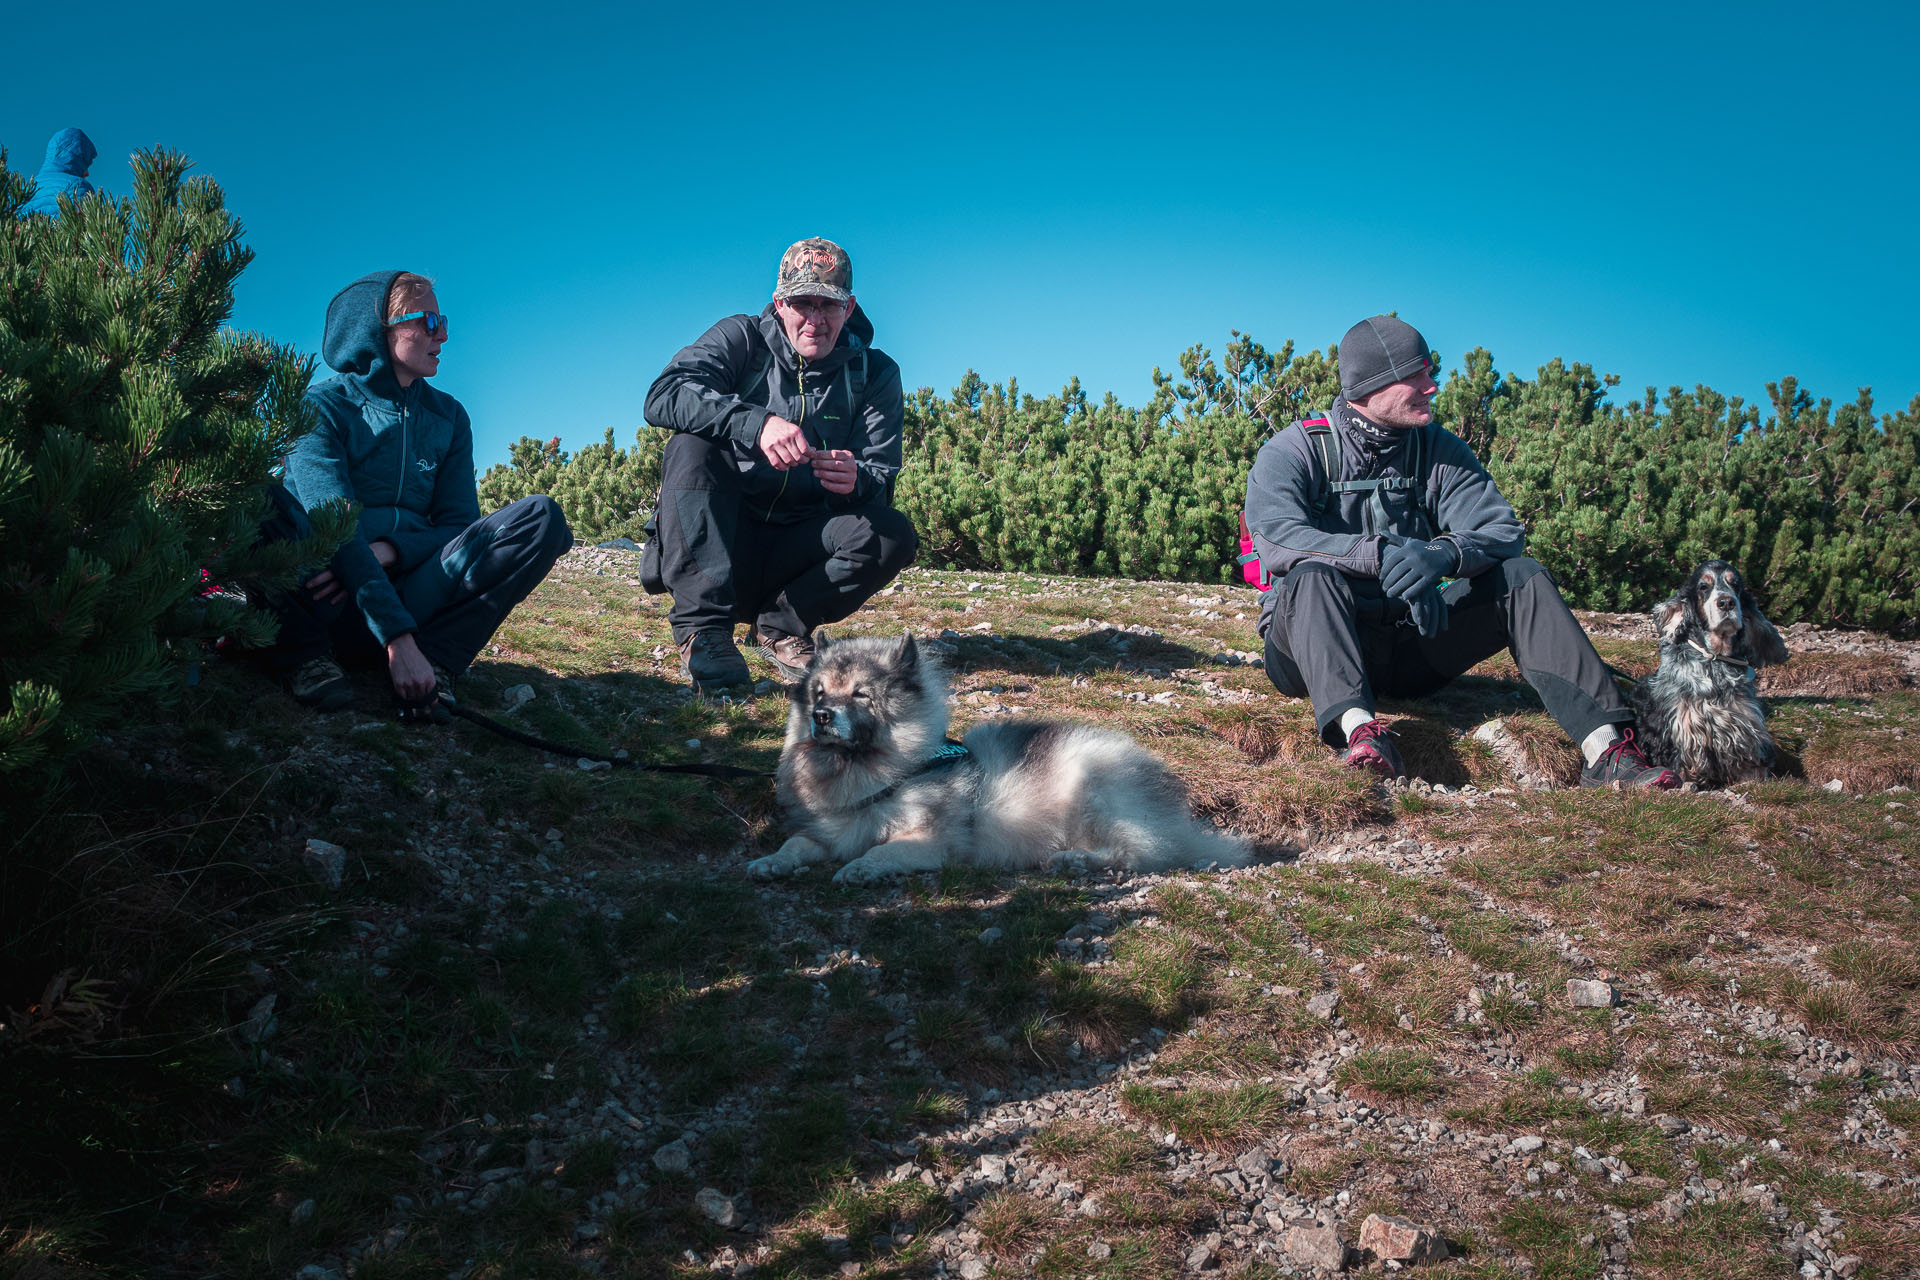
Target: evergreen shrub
<point>1816,503</point>
<point>137,438</point>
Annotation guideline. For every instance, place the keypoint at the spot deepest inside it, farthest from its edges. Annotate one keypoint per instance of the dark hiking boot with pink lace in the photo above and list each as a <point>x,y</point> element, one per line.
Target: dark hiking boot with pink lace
<point>1371,747</point>
<point>1624,764</point>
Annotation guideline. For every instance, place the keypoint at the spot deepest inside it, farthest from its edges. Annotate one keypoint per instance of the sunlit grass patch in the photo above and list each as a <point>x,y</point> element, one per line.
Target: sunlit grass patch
<point>1394,1075</point>
<point>1089,1150</point>
<point>1738,1239</point>
<point>1550,1237</point>
<point>1821,674</point>
<point>1215,1119</point>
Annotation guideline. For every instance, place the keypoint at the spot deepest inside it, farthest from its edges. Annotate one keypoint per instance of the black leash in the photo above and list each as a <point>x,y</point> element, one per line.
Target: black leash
<point>561,749</point>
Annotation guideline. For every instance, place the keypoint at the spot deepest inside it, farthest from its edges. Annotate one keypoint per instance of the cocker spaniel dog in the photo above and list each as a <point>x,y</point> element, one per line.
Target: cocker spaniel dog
<point>1699,714</point>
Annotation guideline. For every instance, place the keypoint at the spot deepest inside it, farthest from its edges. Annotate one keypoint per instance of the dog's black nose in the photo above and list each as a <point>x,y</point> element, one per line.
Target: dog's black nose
<point>823,717</point>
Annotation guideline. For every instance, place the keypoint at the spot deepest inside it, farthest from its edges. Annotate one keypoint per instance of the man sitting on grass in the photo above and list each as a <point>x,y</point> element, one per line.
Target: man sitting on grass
<point>775,490</point>
<point>1360,516</point>
<point>426,580</point>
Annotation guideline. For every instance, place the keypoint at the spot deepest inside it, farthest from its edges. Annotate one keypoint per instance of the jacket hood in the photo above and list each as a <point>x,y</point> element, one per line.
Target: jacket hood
<point>69,151</point>
<point>855,335</point>
<point>355,340</point>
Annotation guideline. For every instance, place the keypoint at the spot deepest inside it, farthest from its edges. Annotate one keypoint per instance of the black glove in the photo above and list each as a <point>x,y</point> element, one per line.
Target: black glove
<point>1427,611</point>
<point>1409,568</point>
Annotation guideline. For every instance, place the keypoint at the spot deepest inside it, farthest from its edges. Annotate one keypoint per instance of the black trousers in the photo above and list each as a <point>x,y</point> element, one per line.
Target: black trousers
<point>1337,640</point>
<point>459,598</point>
<point>724,564</point>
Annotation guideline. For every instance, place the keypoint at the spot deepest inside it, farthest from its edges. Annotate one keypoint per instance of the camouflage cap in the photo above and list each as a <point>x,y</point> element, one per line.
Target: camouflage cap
<point>815,268</point>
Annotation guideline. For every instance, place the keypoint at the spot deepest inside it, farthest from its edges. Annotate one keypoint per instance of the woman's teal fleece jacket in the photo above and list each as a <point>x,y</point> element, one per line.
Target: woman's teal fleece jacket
<point>404,454</point>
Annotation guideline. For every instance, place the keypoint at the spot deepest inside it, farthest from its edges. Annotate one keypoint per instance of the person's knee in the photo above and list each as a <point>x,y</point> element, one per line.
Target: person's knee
<point>1521,570</point>
<point>1313,578</point>
<point>556,535</point>
<point>897,541</point>
<point>694,462</point>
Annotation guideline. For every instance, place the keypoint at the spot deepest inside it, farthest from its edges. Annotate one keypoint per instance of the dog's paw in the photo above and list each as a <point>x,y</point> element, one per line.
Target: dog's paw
<point>769,867</point>
<point>1075,863</point>
<point>864,871</point>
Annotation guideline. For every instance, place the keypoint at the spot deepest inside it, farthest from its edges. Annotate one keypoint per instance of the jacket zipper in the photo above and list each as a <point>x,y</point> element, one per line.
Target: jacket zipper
<point>400,489</point>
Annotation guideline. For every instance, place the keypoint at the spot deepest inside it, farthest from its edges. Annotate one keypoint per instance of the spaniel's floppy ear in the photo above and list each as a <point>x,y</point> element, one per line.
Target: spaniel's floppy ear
<point>1763,642</point>
<point>1669,616</point>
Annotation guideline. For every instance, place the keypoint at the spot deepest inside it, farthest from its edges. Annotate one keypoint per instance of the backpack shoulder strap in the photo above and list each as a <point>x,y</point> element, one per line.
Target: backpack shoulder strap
<point>1326,445</point>
<point>756,371</point>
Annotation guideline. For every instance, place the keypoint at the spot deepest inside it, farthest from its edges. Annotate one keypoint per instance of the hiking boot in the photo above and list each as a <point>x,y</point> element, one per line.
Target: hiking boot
<point>790,655</point>
<point>1371,747</point>
<point>1625,764</point>
<point>321,684</point>
<point>711,659</point>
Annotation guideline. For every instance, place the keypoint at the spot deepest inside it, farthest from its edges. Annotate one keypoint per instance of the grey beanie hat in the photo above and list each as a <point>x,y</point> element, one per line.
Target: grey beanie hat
<point>1378,351</point>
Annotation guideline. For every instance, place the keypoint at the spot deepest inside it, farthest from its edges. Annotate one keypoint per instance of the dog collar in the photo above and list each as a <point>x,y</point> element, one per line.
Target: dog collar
<point>1697,647</point>
<point>949,753</point>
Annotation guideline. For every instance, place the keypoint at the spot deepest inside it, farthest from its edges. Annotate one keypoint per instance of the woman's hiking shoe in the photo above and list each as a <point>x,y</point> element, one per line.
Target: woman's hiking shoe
<point>711,660</point>
<point>1370,746</point>
<point>320,684</point>
<point>1624,764</point>
<point>790,655</point>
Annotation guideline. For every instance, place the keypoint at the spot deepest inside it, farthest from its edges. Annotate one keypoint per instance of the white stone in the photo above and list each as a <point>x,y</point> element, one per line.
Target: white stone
<point>326,861</point>
<point>717,1207</point>
<point>1586,993</point>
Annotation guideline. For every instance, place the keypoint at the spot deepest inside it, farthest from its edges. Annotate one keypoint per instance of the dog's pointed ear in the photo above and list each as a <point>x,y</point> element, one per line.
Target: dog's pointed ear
<point>1763,642</point>
<point>909,651</point>
<point>821,640</point>
<point>1667,617</point>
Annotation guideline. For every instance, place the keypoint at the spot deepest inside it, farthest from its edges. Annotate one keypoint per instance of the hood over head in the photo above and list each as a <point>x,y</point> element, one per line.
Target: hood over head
<point>69,151</point>
<point>355,339</point>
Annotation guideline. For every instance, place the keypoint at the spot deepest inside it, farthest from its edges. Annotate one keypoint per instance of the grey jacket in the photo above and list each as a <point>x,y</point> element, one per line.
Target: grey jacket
<point>1292,520</point>
<point>705,391</point>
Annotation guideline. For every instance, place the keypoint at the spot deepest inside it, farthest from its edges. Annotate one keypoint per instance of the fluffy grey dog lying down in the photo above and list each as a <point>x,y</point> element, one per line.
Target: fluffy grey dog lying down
<point>867,778</point>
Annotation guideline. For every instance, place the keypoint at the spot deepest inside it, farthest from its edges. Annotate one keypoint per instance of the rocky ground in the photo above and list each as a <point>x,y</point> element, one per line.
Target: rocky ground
<point>1403,1039</point>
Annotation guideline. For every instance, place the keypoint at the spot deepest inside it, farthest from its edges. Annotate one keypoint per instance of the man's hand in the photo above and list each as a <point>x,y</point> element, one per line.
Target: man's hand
<point>835,470</point>
<point>1427,610</point>
<point>409,669</point>
<point>1408,569</point>
<point>385,552</point>
<point>783,443</point>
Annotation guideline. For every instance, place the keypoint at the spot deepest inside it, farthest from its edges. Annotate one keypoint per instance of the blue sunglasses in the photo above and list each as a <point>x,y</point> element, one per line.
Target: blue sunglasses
<point>436,321</point>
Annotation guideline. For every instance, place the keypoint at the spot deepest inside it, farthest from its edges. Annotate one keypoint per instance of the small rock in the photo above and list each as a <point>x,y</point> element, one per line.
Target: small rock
<point>618,544</point>
<point>1394,1239</point>
<point>302,1214</point>
<point>1254,1162</point>
<point>261,1024</point>
<point>1323,1005</point>
<point>673,1157</point>
<point>993,1169</point>
<point>1670,1125</point>
<point>1847,1264</point>
<point>1317,1246</point>
<point>555,835</point>
<point>993,935</point>
<point>593,766</point>
<point>1586,993</point>
<point>973,1269</point>
<point>1834,784</point>
<point>1200,1258</point>
<point>516,696</point>
<point>718,1208</point>
<point>1528,1144</point>
<point>691,744</point>
<point>1099,1251</point>
<point>326,861</point>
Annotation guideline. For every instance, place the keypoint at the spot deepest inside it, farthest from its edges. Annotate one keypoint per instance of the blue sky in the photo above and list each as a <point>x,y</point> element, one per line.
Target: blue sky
<point>1676,195</point>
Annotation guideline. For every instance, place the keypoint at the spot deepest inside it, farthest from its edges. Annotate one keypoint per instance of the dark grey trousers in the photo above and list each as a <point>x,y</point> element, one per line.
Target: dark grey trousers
<point>459,598</point>
<point>1338,641</point>
<point>725,565</point>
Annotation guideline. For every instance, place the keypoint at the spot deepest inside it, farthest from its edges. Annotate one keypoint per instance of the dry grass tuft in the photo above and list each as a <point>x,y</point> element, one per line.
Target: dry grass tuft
<point>1010,1221</point>
<point>1835,675</point>
<point>1864,758</point>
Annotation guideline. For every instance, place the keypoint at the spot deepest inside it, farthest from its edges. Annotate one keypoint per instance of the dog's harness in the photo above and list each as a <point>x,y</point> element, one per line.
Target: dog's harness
<point>949,754</point>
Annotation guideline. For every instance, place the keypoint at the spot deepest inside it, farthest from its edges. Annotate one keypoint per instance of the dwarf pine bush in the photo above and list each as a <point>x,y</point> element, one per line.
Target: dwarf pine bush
<point>1815,502</point>
<point>137,438</point>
